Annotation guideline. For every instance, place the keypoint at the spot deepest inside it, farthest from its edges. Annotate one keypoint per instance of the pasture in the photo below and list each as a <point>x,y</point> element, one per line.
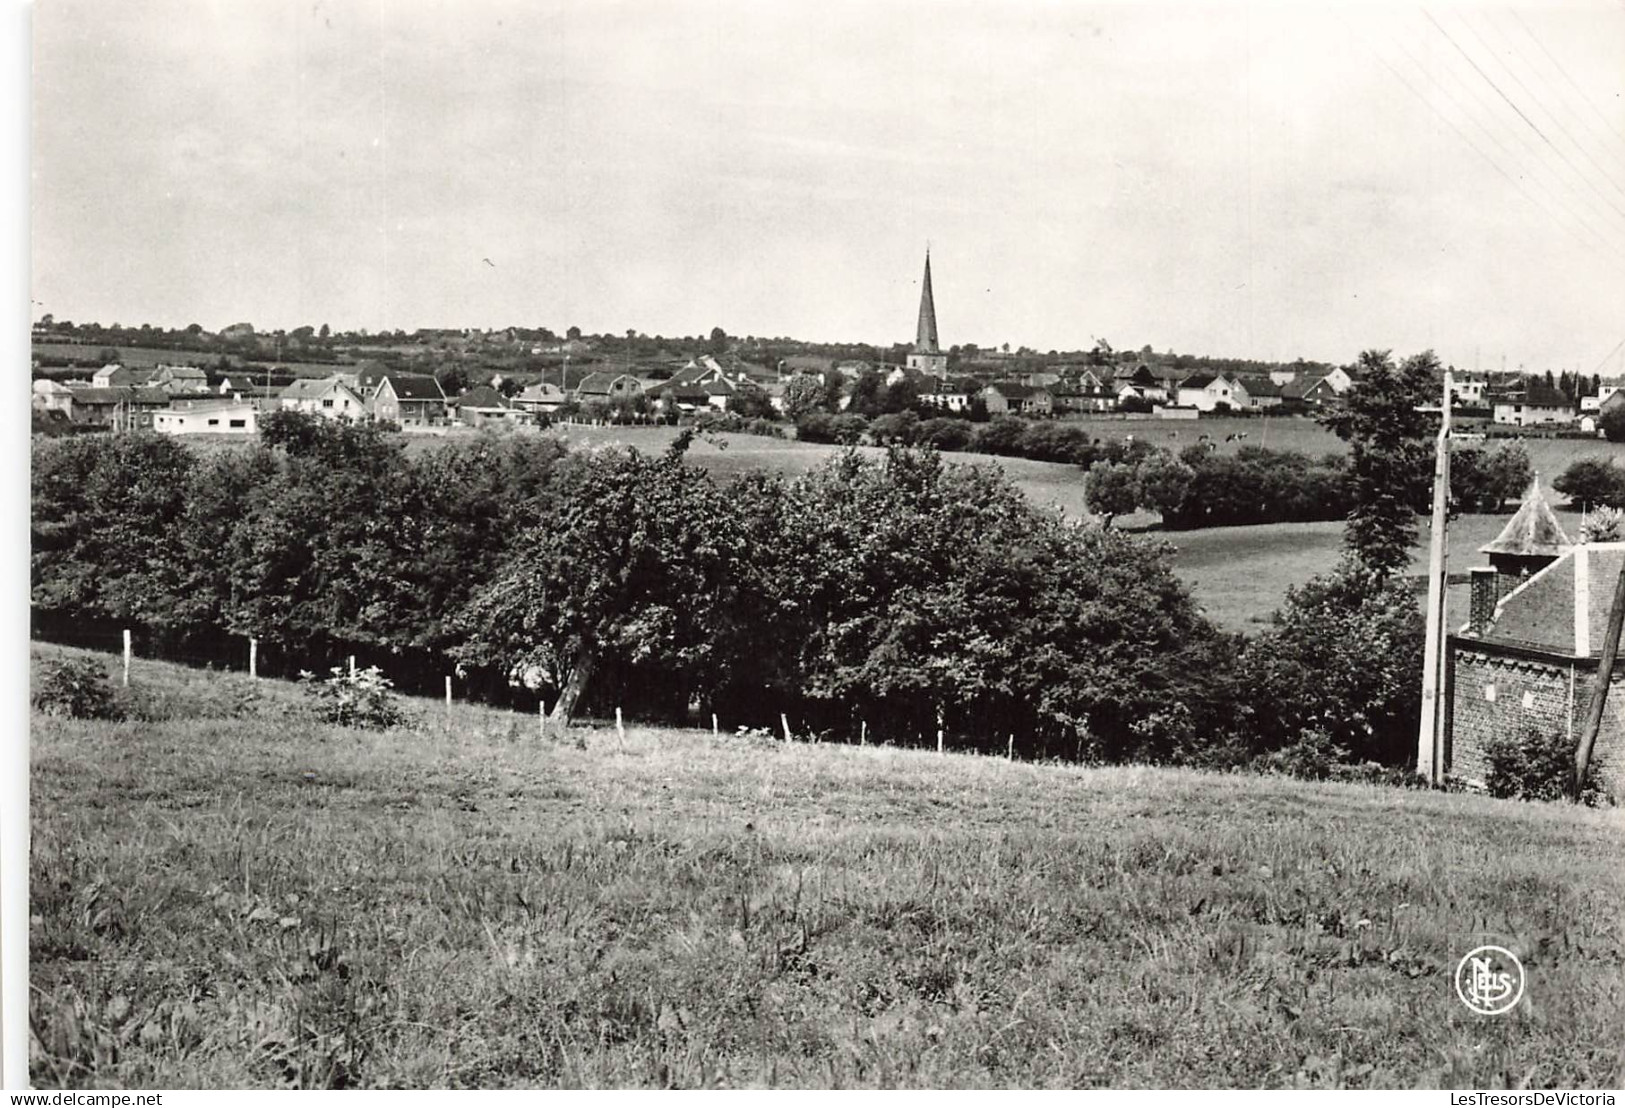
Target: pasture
<point>237,896</point>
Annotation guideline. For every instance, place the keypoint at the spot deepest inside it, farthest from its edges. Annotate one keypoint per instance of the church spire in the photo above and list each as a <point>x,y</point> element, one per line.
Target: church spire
<point>925,335</point>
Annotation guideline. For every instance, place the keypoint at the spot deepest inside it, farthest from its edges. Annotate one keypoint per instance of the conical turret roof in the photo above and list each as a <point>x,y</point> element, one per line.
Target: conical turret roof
<point>1533,531</point>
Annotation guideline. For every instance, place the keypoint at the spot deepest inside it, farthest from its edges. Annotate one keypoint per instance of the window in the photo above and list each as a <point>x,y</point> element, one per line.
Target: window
<point>237,422</point>
<point>328,403</point>
<point>214,423</point>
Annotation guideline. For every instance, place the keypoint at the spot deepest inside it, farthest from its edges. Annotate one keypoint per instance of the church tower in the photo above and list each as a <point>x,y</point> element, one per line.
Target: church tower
<point>927,356</point>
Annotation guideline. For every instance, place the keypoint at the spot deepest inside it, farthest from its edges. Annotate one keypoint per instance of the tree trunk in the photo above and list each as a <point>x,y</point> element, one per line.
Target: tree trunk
<point>574,685</point>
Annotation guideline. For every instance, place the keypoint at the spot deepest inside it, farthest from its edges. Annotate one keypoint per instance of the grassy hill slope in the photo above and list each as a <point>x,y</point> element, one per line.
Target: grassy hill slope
<point>238,896</point>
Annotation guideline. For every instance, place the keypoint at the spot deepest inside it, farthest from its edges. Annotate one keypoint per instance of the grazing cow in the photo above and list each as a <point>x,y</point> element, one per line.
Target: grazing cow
<point>1230,438</point>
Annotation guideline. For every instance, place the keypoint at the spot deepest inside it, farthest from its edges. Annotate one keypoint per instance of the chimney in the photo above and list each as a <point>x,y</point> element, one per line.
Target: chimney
<point>1486,585</point>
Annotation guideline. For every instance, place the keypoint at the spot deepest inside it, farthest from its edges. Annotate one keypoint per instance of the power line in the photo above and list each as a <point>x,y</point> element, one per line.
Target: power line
<point>1558,197</point>
<point>1550,114</point>
<point>1574,84</point>
<point>1602,139</point>
<point>1597,241</point>
<point>1512,104</point>
<point>1608,355</point>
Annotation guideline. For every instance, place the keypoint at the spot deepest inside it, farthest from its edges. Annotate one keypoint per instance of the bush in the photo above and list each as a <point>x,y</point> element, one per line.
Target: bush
<point>816,427</point>
<point>1313,757</point>
<point>78,688</point>
<point>1612,424</point>
<point>945,434</point>
<point>1536,766</point>
<point>901,428</point>
<point>359,699</point>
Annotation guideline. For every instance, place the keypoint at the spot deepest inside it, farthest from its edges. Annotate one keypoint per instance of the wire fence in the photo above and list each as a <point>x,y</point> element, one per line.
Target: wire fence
<point>412,671</point>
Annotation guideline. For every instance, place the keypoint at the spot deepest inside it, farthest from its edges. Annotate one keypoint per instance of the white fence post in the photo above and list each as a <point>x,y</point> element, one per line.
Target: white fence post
<point>127,653</point>
<point>352,665</point>
<point>1010,749</point>
<point>785,721</point>
<point>541,717</point>
<point>713,725</point>
<point>253,657</point>
<point>863,733</point>
<point>620,731</point>
<point>448,698</point>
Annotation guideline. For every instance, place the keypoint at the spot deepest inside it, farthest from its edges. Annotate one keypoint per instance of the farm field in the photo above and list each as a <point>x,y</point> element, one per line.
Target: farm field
<point>240,897</point>
<point>137,357</point>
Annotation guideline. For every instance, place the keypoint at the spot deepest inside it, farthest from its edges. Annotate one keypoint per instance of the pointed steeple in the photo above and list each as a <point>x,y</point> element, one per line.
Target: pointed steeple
<point>925,335</point>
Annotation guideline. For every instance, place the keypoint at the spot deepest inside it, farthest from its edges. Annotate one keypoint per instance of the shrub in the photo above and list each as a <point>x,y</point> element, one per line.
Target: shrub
<point>945,434</point>
<point>848,428</point>
<point>1612,424</point>
<point>901,428</point>
<point>1313,757</point>
<point>359,699</point>
<point>1536,766</point>
<point>77,688</point>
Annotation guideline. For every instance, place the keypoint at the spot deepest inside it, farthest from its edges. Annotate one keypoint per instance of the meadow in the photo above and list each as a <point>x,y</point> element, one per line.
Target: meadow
<point>233,895</point>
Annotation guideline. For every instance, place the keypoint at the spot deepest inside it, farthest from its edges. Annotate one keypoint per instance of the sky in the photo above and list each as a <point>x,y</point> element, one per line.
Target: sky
<point>1238,179</point>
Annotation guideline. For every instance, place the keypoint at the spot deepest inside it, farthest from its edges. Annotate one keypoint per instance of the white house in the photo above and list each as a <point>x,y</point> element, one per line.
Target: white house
<point>207,417</point>
<point>1206,392</point>
<point>328,397</point>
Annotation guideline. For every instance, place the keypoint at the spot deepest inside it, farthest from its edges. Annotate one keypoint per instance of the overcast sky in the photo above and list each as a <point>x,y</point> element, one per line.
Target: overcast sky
<point>1258,180</point>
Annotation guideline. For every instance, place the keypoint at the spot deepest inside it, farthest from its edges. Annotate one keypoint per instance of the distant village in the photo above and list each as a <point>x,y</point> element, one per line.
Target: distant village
<point>198,382</point>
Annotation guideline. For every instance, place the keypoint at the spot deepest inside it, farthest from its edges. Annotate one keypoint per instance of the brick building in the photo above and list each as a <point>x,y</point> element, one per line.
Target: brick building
<point>1528,657</point>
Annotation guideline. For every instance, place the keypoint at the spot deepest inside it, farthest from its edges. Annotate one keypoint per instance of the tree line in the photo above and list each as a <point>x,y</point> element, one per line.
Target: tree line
<point>901,592</point>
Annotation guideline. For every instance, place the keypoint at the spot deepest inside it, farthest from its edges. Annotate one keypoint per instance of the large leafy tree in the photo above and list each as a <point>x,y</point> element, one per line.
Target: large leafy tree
<point>1389,472</point>
<point>1343,656</point>
<point>625,575</point>
<point>104,540</point>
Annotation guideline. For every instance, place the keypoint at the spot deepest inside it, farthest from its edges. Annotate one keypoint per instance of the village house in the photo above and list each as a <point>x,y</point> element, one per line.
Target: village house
<point>607,386</point>
<point>122,407</point>
<point>483,406</point>
<point>541,399</point>
<point>1069,398</point>
<point>1210,392</point>
<point>1141,383</point>
<point>1262,393</point>
<point>1012,397</point>
<point>1527,658</point>
<point>330,398</point>
<point>1539,405</point>
<point>180,378</point>
<point>953,394</point>
<point>408,399</point>
<point>49,396</point>
<point>215,416</point>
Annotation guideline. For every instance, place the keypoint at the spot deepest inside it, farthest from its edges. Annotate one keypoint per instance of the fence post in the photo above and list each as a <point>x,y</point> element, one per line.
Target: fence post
<point>448,698</point>
<point>784,721</point>
<point>1010,749</point>
<point>126,657</point>
<point>620,731</point>
<point>863,733</point>
<point>352,665</point>
<point>253,657</point>
<point>541,717</point>
<point>713,725</point>
<point>939,728</point>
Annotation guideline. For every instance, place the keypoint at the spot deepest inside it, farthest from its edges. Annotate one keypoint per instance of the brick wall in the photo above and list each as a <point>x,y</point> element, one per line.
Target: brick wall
<point>1496,693</point>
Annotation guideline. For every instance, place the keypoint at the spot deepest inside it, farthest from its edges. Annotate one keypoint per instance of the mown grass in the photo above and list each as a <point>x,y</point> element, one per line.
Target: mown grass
<point>257,900</point>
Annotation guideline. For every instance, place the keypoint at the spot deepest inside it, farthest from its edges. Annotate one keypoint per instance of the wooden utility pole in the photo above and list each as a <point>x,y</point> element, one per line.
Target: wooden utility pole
<point>1599,691</point>
<point>1429,750</point>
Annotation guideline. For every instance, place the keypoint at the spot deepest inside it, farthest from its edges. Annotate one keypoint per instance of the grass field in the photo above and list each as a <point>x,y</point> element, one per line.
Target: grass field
<point>242,898</point>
